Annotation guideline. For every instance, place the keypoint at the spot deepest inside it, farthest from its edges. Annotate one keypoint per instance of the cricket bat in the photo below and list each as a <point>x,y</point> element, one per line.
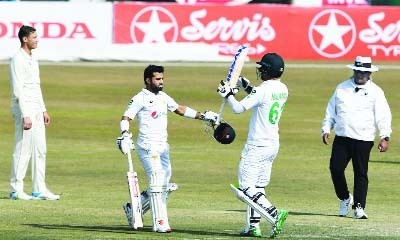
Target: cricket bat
<point>233,75</point>
<point>134,194</point>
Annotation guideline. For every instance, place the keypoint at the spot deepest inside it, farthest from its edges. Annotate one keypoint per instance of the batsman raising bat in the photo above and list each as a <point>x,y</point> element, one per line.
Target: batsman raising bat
<point>267,102</point>
<point>151,106</point>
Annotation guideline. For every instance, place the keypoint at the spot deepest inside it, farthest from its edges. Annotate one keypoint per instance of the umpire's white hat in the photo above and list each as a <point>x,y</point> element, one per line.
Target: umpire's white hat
<point>363,64</point>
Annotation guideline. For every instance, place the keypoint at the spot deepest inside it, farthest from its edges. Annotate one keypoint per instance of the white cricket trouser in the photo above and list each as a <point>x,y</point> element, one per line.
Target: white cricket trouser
<point>29,145</point>
<point>256,164</point>
<point>155,158</point>
<point>156,163</point>
<point>254,175</point>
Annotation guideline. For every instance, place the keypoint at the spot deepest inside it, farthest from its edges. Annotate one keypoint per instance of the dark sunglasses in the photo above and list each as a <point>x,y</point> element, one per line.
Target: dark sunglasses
<point>362,72</point>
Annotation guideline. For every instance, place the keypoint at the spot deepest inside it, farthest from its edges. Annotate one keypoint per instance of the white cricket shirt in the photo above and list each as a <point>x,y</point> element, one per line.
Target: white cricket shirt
<point>26,95</point>
<point>151,111</point>
<point>267,101</point>
<point>357,114</point>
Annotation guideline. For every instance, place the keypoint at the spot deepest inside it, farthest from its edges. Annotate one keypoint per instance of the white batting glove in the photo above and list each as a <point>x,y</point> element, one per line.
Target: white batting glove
<point>209,116</point>
<point>125,143</point>
<point>225,90</point>
<point>244,83</point>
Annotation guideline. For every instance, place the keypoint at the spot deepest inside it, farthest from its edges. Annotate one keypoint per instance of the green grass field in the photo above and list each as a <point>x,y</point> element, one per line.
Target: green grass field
<point>84,166</point>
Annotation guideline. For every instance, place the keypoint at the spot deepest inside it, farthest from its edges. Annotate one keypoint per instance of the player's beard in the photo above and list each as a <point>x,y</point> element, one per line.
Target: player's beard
<point>155,89</point>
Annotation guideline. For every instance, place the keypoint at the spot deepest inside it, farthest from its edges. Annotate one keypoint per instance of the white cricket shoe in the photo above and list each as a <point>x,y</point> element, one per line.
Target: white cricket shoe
<point>46,195</point>
<point>345,206</point>
<point>359,212</point>
<point>162,226</point>
<point>21,196</point>
<point>128,213</point>
<point>172,187</point>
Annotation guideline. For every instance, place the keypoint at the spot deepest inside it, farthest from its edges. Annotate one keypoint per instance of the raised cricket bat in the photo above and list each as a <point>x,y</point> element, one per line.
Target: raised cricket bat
<point>134,194</point>
<point>233,75</point>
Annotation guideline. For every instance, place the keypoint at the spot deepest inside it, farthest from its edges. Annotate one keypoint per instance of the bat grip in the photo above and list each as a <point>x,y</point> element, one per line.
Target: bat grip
<point>221,109</point>
<point>130,164</point>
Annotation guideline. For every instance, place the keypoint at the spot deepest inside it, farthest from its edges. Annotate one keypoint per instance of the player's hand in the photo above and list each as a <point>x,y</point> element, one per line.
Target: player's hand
<point>125,143</point>
<point>46,118</point>
<point>225,90</point>
<point>27,123</point>
<point>244,83</point>
<point>209,116</point>
<point>325,138</point>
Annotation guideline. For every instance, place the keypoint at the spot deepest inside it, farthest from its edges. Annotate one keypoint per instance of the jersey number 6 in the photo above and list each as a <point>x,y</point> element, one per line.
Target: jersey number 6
<point>275,112</point>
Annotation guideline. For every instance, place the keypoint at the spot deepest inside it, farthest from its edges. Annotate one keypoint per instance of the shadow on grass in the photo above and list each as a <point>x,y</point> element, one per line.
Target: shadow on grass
<point>124,229</point>
<point>297,213</point>
<point>388,162</point>
<point>311,214</point>
<point>114,229</point>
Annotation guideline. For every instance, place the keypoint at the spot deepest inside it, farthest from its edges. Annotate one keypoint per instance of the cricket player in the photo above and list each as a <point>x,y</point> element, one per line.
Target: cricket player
<point>151,106</point>
<point>30,118</point>
<point>267,102</point>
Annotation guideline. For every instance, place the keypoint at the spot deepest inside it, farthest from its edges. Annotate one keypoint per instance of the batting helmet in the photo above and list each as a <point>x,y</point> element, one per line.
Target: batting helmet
<point>272,65</point>
<point>224,133</point>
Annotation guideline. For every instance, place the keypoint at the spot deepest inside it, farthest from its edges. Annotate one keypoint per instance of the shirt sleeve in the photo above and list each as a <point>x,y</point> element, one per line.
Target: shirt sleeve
<point>383,115</point>
<point>42,105</point>
<point>330,114</point>
<point>253,99</point>
<point>236,106</point>
<point>17,85</point>
<point>171,104</point>
<point>134,106</point>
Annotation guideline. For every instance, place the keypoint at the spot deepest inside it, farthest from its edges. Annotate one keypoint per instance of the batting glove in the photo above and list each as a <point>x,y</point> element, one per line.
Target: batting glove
<point>209,116</point>
<point>225,90</point>
<point>125,143</point>
<point>244,83</point>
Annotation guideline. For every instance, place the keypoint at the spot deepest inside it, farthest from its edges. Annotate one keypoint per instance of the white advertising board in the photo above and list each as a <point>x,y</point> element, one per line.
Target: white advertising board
<point>65,30</point>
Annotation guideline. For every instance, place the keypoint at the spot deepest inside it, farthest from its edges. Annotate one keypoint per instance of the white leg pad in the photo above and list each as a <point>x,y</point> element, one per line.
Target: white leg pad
<point>254,205</point>
<point>145,199</point>
<point>158,202</point>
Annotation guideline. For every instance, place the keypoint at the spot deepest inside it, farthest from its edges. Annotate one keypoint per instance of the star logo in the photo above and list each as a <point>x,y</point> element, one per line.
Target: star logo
<point>332,33</point>
<point>154,25</point>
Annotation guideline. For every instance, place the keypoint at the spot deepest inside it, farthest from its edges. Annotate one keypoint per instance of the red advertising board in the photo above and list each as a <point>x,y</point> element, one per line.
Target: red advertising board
<point>297,33</point>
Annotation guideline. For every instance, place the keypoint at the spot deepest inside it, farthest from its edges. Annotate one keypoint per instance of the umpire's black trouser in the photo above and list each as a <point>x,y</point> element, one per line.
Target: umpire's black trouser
<point>343,150</point>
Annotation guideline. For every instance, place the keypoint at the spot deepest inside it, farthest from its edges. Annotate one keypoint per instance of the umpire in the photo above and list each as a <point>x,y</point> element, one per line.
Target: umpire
<point>356,110</point>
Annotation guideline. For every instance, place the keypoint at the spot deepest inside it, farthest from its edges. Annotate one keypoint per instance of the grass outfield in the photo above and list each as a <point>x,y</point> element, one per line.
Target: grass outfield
<point>84,166</point>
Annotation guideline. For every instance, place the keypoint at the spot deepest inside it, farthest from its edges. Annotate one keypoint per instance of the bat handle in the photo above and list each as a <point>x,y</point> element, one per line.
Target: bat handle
<point>130,164</point>
<point>221,109</point>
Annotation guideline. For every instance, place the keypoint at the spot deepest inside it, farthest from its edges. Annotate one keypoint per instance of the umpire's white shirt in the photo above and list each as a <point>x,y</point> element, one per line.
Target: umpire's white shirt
<point>357,114</point>
<point>151,110</point>
<point>26,95</point>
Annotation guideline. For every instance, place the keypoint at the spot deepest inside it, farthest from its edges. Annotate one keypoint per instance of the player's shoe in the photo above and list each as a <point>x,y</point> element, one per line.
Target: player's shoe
<point>145,200</point>
<point>46,195</point>
<point>345,206</point>
<point>172,187</point>
<point>128,213</point>
<point>21,196</point>
<point>162,226</point>
<point>359,212</point>
<point>253,231</point>
<point>277,227</point>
